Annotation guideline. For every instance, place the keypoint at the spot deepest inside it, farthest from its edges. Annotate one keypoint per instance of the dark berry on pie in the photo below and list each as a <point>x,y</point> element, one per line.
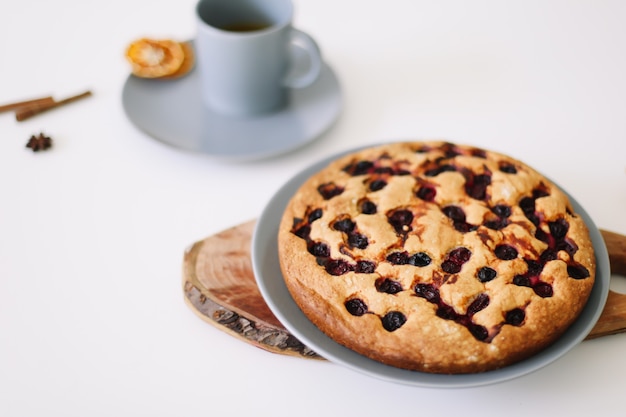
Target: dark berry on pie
<point>337,267</point>
<point>577,271</point>
<point>460,255</point>
<point>420,259</point>
<point>359,168</point>
<point>315,214</point>
<point>501,210</point>
<point>515,317</point>
<point>433,172</point>
<point>534,267</point>
<point>401,220</point>
<point>329,190</point>
<point>295,223</point>
<point>319,249</point>
<point>344,225</point>
<point>377,185</point>
<point>543,289</point>
<point>543,236</point>
<point>455,213</point>
<point>426,193</point>
<point>486,274</point>
<point>388,286</point>
<point>508,168</point>
<point>356,307</point>
<point>427,291</point>
<point>548,255</point>
<point>450,150</point>
<point>303,232</point>
<point>541,191</point>
<point>476,186</point>
<point>527,204</point>
<point>497,224</point>
<point>465,227</point>
<point>531,279</point>
<point>357,240</point>
<point>450,267</point>
<point>567,246</point>
<point>446,312</point>
<point>521,280</point>
<point>505,252</point>
<point>365,267</point>
<point>479,303</point>
<point>398,258</point>
<point>558,228</point>
<point>478,331</point>
<point>393,320</point>
<point>384,170</point>
<point>455,260</point>
<point>367,207</point>
<point>479,153</point>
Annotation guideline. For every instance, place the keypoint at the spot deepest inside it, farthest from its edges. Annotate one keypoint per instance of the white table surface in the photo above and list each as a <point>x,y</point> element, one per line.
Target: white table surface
<point>92,232</point>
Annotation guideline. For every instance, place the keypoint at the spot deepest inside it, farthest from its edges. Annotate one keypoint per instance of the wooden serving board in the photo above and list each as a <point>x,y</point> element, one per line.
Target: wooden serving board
<point>219,286</point>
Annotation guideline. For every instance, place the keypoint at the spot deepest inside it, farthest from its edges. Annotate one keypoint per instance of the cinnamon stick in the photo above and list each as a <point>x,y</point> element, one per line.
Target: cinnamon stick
<point>43,101</point>
<point>28,112</point>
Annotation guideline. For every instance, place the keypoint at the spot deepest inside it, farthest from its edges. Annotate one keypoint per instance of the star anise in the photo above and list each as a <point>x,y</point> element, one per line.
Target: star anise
<point>40,142</point>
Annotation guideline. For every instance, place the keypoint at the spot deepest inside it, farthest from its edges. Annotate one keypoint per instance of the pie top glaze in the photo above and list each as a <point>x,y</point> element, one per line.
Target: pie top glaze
<point>436,257</point>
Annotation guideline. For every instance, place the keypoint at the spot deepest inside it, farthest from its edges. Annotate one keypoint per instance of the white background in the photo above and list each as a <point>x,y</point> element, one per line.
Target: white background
<point>92,233</point>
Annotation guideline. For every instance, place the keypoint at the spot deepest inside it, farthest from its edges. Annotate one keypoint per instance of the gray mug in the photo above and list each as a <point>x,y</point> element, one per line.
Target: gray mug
<point>244,50</point>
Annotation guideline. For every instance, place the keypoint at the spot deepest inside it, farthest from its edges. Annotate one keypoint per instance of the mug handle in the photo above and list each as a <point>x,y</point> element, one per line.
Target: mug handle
<point>306,43</point>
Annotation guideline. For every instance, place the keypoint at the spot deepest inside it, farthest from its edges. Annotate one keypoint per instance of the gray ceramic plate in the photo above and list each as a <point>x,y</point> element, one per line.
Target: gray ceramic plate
<point>272,287</point>
<point>172,112</point>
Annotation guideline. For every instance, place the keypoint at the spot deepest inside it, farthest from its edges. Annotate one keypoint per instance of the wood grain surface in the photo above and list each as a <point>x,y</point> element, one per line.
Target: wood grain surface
<point>219,286</point>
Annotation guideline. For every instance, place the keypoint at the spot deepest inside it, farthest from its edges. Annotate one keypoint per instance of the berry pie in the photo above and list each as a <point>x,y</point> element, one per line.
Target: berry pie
<point>436,257</point>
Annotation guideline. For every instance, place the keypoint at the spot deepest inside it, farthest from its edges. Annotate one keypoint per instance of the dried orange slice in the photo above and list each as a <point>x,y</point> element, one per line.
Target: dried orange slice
<point>187,64</point>
<point>151,58</point>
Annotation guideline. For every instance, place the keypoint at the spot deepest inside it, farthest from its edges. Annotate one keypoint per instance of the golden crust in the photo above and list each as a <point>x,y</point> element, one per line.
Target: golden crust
<point>439,317</point>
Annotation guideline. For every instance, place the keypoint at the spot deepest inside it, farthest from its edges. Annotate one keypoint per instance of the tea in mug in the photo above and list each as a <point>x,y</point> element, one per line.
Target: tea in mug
<point>245,26</point>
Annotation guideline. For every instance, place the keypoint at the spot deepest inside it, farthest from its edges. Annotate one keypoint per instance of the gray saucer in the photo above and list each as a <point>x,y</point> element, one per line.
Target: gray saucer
<point>172,112</point>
